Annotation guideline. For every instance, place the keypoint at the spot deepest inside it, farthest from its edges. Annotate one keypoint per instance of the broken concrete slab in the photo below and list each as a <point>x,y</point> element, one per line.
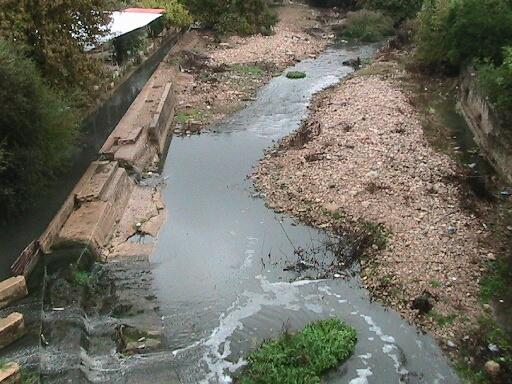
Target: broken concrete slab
<point>12,289</point>
<point>100,179</point>
<point>12,328</point>
<point>102,202</point>
<point>10,373</point>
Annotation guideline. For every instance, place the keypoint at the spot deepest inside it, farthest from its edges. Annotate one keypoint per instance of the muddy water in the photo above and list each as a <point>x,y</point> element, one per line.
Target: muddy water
<point>218,266</point>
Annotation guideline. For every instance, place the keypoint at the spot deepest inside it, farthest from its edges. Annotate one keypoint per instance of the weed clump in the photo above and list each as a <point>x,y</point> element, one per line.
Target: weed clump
<point>302,357</point>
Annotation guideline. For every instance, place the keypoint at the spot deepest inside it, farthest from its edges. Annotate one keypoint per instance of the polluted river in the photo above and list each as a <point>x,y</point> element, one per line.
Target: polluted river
<point>221,272</point>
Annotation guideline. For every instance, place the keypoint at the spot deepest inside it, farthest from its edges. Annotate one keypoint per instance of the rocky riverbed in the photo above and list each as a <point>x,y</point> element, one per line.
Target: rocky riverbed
<point>361,160</point>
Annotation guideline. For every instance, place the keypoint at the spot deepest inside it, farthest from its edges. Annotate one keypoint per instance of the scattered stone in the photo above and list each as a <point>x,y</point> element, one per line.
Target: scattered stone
<point>492,368</point>
<point>12,328</point>
<point>451,344</point>
<point>12,289</point>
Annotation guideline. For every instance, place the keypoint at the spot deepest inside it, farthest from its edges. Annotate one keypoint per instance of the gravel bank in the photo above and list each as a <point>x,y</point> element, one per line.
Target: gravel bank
<point>365,159</point>
<point>222,78</point>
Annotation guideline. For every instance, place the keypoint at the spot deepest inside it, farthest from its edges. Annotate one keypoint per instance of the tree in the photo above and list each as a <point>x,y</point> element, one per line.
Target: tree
<point>55,33</point>
<point>37,129</point>
<point>234,16</point>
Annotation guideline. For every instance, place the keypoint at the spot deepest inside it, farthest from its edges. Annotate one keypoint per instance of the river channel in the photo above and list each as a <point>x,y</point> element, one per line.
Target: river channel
<point>220,271</point>
<point>220,258</point>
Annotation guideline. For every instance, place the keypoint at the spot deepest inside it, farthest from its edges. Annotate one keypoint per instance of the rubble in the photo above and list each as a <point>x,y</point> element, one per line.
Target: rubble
<point>368,163</point>
<point>12,328</point>
<point>12,289</point>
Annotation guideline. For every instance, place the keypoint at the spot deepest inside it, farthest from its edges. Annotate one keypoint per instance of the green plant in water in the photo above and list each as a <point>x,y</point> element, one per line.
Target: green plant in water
<point>82,278</point>
<point>302,357</point>
<point>30,376</point>
<point>296,75</point>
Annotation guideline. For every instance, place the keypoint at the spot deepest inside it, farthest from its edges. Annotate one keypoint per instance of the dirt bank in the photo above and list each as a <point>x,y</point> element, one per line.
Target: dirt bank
<point>362,158</point>
<point>216,79</point>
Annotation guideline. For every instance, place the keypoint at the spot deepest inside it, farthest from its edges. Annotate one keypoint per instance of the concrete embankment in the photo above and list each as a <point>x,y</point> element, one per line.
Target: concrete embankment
<point>492,134</point>
<point>89,216</point>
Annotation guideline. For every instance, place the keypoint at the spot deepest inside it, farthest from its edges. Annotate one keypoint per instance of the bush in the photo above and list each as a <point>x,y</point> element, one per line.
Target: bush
<point>367,26</point>
<point>54,34</point>
<point>398,9</point>
<point>176,13</point>
<point>346,4</point>
<point>244,17</point>
<point>454,32</point>
<point>496,81</point>
<point>36,131</point>
<point>303,357</point>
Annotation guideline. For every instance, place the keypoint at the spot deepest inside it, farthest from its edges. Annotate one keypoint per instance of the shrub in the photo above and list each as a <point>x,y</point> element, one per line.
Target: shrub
<point>176,13</point>
<point>452,33</point>
<point>496,81</point>
<point>346,4</point>
<point>367,26</point>
<point>54,34</point>
<point>36,130</point>
<point>234,16</point>
<point>398,9</point>
<point>303,357</point>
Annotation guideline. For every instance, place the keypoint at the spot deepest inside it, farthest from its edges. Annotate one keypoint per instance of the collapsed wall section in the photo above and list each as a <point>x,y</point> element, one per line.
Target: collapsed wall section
<point>90,215</point>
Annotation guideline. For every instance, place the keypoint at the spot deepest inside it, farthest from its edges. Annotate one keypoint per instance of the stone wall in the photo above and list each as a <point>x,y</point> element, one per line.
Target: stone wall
<point>492,133</point>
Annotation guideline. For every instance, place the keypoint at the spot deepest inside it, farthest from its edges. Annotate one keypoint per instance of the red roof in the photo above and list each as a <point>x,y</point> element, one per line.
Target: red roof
<point>145,10</point>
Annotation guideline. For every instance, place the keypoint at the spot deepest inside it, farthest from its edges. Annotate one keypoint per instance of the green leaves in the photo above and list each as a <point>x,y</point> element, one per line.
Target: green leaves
<point>452,33</point>
<point>36,130</point>
<point>303,357</point>
<point>234,16</point>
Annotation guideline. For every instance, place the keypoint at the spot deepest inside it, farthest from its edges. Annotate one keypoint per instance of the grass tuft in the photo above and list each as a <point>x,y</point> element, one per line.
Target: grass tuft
<point>442,320</point>
<point>249,70</point>
<point>296,75</point>
<point>494,284</point>
<point>190,114</point>
<point>302,357</point>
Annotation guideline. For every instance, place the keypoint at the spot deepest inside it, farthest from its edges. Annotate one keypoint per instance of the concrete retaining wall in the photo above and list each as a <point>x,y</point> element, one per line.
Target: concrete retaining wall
<point>91,213</point>
<point>143,131</point>
<point>491,133</point>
